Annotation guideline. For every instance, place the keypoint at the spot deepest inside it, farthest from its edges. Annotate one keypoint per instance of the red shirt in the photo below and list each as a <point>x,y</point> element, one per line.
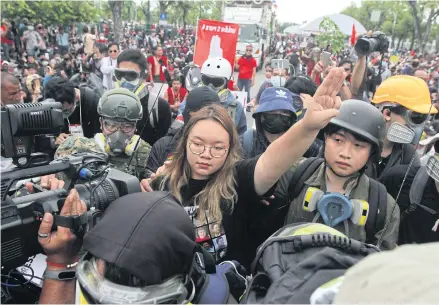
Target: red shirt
<point>152,62</point>
<point>172,98</point>
<point>246,66</point>
<point>230,85</point>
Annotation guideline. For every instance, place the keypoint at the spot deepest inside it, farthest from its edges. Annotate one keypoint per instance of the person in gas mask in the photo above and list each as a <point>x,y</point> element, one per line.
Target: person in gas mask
<point>335,189</point>
<point>128,74</point>
<point>418,200</point>
<point>405,104</point>
<point>215,73</point>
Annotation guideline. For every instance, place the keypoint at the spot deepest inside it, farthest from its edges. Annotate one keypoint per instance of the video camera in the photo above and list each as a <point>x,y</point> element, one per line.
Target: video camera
<point>89,174</point>
<point>378,42</point>
<point>20,123</point>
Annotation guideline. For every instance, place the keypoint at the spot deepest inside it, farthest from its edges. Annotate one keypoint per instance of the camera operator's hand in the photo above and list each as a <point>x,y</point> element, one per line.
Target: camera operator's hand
<point>61,138</point>
<point>145,186</point>
<point>49,182</point>
<point>62,246</point>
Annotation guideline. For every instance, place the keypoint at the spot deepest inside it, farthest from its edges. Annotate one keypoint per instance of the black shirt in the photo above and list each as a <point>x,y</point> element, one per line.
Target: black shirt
<point>89,112</point>
<point>417,226</point>
<point>152,134</point>
<point>235,231</point>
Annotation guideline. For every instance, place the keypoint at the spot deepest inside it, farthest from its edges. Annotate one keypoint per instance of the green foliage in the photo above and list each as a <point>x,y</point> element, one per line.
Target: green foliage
<point>50,12</point>
<point>330,35</point>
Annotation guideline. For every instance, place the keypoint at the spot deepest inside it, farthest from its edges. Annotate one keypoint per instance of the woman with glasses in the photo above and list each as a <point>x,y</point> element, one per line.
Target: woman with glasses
<point>206,171</point>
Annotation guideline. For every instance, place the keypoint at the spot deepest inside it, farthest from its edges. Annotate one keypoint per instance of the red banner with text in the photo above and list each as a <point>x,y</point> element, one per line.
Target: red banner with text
<point>216,39</point>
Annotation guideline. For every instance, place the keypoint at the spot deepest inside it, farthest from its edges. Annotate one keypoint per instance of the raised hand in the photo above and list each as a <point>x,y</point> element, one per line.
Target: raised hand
<point>325,103</point>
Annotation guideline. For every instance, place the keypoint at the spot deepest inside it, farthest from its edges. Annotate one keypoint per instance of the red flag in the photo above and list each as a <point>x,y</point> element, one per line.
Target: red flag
<point>354,33</point>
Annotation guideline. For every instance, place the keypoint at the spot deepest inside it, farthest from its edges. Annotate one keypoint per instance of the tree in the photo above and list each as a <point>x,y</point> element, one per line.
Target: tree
<point>420,10</point>
<point>330,35</point>
<point>116,9</point>
<point>145,6</point>
<point>50,12</point>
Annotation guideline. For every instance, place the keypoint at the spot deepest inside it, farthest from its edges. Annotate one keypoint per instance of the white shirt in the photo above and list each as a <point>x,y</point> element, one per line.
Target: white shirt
<point>107,67</point>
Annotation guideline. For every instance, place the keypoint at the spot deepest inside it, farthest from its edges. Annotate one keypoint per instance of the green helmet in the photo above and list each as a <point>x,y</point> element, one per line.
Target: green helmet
<point>362,119</point>
<point>120,104</point>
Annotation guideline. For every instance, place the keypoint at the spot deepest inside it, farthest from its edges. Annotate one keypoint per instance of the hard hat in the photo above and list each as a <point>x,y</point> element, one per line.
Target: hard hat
<point>407,91</point>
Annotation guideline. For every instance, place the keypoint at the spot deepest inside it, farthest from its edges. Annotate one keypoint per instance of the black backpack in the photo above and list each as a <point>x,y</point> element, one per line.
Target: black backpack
<point>292,263</point>
<point>377,196</point>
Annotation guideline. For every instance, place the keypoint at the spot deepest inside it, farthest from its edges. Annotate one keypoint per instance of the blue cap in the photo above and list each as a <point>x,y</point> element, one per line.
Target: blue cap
<point>275,98</point>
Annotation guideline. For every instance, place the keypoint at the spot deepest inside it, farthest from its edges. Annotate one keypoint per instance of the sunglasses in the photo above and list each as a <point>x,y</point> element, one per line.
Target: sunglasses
<point>113,51</point>
<point>129,75</point>
<point>249,50</point>
<point>217,82</point>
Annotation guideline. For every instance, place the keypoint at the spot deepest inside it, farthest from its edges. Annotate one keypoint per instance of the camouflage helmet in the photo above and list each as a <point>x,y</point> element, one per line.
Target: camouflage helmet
<point>77,144</point>
<point>121,104</point>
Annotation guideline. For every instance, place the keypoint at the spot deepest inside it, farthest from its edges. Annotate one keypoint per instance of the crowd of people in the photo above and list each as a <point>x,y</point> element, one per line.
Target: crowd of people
<point>349,142</point>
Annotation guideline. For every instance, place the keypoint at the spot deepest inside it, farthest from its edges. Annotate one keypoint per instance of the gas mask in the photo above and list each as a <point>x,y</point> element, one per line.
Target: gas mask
<point>336,208</point>
<point>411,131</point>
<point>275,123</point>
<point>117,143</point>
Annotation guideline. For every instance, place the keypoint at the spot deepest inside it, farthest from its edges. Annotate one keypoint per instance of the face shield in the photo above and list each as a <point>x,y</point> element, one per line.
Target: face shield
<point>411,131</point>
<point>95,289</point>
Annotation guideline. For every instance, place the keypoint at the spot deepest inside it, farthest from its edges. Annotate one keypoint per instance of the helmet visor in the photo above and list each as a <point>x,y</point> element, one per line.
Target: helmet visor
<point>103,291</point>
<point>217,82</point>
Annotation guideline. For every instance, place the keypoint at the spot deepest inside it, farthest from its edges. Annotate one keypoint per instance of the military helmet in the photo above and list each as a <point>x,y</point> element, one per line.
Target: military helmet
<point>364,120</point>
<point>121,104</point>
<point>77,144</point>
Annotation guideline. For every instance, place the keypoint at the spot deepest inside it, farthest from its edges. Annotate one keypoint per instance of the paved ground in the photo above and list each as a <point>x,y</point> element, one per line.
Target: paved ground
<point>259,79</point>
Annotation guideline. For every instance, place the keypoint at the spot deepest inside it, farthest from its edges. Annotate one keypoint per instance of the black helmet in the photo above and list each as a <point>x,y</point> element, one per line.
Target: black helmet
<point>120,103</point>
<point>364,120</point>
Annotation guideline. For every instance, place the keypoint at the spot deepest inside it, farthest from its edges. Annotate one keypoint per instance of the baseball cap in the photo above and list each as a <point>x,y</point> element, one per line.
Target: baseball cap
<point>149,235</point>
<point>275,98</point>
<point>406,275</point>
<point>198,98</point>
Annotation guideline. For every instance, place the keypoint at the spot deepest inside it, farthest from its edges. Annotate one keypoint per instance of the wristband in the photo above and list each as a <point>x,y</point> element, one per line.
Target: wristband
<point>60,275</point>
<point>72,265</point>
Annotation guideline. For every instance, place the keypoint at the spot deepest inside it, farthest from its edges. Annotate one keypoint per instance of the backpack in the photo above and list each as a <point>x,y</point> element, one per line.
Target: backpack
<point>299,258</point>
<point>377,196</point>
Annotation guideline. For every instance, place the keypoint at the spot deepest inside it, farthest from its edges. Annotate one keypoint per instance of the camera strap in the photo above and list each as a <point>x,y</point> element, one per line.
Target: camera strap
<point>76,223</point>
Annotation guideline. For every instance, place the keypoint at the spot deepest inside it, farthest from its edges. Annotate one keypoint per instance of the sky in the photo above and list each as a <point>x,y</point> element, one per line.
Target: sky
<point>299,11</point>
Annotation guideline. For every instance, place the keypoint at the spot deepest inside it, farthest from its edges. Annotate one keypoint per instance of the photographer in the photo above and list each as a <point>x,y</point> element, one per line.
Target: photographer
<point>142,251</point>
<point>79,108</point>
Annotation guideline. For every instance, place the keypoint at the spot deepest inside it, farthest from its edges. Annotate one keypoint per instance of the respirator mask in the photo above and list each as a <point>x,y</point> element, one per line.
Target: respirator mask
<point>335,208</point>
<point>411,131</point>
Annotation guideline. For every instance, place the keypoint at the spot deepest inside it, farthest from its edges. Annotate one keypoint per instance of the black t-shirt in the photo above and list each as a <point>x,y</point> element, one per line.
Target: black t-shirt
<point>382,165</point>
<point>231,240</point>
<point>417,226</point>
<point>152,134</point>
<point>89,112</point>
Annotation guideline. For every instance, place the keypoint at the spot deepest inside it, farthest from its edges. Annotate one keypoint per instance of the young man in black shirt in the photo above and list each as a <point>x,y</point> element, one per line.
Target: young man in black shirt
<point>129,73</point>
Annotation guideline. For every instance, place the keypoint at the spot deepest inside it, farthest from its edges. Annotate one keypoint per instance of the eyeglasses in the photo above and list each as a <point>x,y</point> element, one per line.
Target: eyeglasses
<point>113,126</point>
<point>217,82</point>
<point>113,51</point>
<point>129,75</point>
<point>248,50</point>
<point>215,151</point>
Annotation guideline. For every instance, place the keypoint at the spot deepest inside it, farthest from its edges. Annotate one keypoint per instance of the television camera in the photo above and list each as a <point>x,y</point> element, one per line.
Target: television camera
<point>97,184</point>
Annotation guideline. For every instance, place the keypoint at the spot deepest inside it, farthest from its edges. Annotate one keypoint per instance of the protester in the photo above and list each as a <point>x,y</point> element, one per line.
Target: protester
<point>108,64</point>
